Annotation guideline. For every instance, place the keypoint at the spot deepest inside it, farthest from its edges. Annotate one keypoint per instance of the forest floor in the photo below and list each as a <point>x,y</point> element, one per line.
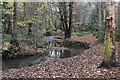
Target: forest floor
<point>81,66</point>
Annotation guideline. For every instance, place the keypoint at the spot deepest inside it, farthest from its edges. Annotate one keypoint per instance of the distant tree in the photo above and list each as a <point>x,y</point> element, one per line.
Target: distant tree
<point>118,22</point>
<point>66,17</point>
<point>6,18</point>
<point>15,48</point>
<point>119,15</point>
<point>99,18</point>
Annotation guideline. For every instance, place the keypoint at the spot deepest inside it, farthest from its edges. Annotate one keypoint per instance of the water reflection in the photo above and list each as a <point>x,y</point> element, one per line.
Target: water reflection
<point>62,52</point>
<point>51,54</point>
<point>55,51</point>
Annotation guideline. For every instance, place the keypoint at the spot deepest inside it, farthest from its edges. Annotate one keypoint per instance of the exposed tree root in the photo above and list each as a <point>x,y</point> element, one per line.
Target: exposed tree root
<point>109,65</point>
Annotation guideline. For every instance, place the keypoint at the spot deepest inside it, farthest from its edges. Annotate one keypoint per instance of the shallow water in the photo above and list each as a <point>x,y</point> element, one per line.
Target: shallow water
<point>54,52</point>
<point>51,54</point>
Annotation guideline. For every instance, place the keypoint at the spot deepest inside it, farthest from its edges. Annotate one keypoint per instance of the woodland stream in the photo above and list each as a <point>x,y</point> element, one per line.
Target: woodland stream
<point>52,53</point>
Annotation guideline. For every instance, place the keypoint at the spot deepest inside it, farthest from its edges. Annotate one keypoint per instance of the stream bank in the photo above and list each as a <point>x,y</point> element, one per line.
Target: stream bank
<point>80,66</point>
<point>52,52</point>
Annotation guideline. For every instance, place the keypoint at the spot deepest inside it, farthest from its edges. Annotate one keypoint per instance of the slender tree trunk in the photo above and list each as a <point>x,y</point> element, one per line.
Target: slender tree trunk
<point>99,18</point>
<point>15,49</point>
<point>7,17</point>
<point>62,27</point>
<point>67,33</point>
<point>119,15</point>
<point>24,6</point>
<point>66,17</point>
<point>15,17</point>
<point>70,18</point>
<point>30,29</point>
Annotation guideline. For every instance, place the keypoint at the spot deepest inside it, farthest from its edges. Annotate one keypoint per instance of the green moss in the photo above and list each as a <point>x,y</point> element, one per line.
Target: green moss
<point>108,48</point>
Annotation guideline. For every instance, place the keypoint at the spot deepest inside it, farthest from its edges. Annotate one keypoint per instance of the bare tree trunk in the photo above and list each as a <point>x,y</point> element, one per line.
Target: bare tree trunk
<point>65,13</point>
<point>70,18</point>
<point>99,17</point>
<point>15,49</point>
<point>119,15</point>
<point>14,16</point>
<point>30,29</point>
<point>7,17</point>
<point>62,27</point>
<point>109,39</point>
<point>66,17</point>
